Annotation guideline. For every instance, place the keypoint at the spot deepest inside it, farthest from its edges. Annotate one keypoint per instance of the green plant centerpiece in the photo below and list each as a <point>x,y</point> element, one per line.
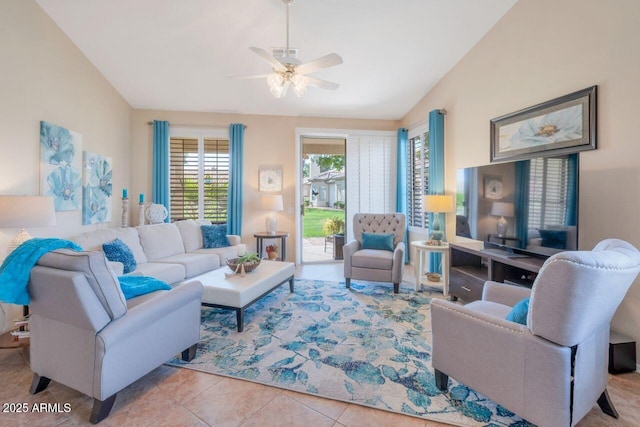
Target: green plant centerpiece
<point>333,226</point>
<point>244,264</point>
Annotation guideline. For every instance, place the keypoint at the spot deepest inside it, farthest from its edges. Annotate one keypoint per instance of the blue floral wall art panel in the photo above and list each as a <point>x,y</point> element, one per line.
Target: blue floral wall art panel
<point>96,188</point>
<point>60,166</point>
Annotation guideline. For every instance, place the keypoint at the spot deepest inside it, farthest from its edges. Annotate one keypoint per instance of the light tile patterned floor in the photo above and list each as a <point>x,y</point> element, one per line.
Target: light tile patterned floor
<point>180,397</point>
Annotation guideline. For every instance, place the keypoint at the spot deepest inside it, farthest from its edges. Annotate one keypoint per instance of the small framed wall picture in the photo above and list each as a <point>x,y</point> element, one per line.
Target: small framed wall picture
<point>493,187</point>
<point>270,179</point>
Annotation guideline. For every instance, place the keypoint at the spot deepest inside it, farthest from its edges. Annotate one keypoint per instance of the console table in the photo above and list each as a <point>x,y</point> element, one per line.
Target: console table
<point>470,268</point>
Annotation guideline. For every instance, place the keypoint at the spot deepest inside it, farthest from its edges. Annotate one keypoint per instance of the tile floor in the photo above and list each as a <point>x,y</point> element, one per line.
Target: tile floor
<point>172,397</point>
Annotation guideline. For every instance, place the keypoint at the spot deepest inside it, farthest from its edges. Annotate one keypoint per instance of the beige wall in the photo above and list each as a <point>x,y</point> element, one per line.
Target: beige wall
<point>269,140</point>
<point>540,50</point>
<point>43,76</point>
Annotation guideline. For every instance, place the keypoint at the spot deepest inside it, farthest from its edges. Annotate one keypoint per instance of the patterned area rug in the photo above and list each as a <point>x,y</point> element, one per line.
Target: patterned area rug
<point>365,346</point>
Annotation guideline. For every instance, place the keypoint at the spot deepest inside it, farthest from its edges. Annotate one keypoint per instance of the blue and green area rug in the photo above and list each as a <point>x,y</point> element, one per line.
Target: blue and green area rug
<point>365,345</point>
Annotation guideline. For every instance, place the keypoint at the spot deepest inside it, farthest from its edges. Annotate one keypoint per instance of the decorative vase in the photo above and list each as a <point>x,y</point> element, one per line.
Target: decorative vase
<point>272,255</point>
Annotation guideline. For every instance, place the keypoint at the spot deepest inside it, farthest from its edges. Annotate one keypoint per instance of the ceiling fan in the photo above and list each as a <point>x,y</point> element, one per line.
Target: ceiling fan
<point>289,71</point>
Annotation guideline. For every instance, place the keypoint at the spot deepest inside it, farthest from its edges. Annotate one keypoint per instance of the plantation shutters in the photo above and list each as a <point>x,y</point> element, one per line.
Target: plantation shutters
<point>417,179</point>
<point>370,175</point>
<point>199,178</point>
<point>183,184</point>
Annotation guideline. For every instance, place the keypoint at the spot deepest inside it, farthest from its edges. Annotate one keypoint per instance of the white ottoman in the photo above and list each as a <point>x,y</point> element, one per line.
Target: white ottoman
<point>237,292</point>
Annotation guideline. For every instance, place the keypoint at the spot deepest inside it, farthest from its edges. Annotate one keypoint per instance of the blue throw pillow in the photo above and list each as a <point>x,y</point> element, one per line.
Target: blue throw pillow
<point>554,238</point>
<point>133,286</point>
<point>118,251</point>
<point>215,236</point>
<point>377,241</point>
<point>519,312</point>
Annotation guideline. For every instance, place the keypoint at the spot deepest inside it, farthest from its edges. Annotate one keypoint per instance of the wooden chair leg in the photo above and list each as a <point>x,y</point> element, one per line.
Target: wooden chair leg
<point>101,409</point>
<point>605,403</point>
<point>190,353</point>
<point>442,380</point>
<point>38,384</point>
<point>347,282</point>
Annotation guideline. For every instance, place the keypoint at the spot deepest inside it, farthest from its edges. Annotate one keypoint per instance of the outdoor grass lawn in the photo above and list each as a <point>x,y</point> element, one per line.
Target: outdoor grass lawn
<point>314,219</point>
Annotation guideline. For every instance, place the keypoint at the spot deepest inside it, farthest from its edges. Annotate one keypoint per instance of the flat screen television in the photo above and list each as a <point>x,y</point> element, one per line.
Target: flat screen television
<point>538,199</point>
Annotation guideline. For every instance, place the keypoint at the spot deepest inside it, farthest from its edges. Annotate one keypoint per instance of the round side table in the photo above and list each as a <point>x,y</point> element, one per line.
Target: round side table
<point>282,235</point>
<point>422,250</point>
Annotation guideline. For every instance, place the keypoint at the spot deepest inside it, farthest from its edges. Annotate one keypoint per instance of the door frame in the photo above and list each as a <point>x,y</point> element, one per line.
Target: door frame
<point>300,134</point>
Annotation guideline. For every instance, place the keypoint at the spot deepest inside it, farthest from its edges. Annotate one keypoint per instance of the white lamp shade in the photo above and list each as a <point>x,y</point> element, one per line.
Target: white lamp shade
<point>26,211</point>
<point>272,202</point>
<point>502,209</point>
<point>436,203</point>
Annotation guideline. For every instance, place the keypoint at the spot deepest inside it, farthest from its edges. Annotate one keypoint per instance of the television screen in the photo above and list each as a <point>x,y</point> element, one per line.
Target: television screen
<point>530,206</point>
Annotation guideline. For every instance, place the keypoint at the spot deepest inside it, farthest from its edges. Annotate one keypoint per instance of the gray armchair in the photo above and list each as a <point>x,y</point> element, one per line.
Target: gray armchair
<point>375,264</point>
<point>85,335</point>
<point>552,370</point>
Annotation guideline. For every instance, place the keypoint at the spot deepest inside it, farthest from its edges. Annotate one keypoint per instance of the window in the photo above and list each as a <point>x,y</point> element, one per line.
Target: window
<point>417,179</point>
<point>199,178</point>
<point>548,186</point>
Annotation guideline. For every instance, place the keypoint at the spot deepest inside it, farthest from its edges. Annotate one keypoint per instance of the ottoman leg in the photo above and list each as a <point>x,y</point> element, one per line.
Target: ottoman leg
<point>240,318</point>
<point>291,285</point>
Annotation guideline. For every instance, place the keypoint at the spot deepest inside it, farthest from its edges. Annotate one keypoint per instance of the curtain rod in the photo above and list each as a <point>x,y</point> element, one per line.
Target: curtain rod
<point>197,126</point>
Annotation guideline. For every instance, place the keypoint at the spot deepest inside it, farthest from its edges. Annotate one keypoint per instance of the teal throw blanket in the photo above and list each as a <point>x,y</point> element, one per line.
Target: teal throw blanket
<point>133,286</point>
<point>16,268</point>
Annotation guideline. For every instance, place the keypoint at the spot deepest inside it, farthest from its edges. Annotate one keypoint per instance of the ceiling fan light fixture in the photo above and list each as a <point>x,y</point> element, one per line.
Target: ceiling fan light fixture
<point>275,80</point>
<point>289,71</point>
<point>299,83</point>
<point>276,83</point>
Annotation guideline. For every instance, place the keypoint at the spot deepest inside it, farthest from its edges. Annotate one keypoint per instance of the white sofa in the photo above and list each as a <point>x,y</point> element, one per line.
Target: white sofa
<point>170,252</point>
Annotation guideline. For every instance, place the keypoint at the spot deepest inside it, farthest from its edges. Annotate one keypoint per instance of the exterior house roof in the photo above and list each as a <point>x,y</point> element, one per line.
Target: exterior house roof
<point>327,176</point>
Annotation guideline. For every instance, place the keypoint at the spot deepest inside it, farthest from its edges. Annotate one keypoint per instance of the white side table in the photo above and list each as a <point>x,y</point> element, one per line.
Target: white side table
<point>422,250</point>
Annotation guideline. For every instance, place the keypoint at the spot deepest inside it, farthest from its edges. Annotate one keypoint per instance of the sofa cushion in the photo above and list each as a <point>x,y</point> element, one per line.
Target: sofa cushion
<point>191,233</point>
<point>95,267</point>
<point>214,236</point>
<point>118,251</point>
<point>93,240</point>
<point>160,240</point>
<point>377,241</point>
<point>194,263</point>
<point>372,258</point>
<point>224,253</point>
<point>170,273</point>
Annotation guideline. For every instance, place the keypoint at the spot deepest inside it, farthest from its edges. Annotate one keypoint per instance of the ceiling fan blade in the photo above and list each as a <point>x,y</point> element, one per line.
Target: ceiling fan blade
<point>270,59</point>
<point>254,76</point>
<point>322,84</point>
<point>318,64</point>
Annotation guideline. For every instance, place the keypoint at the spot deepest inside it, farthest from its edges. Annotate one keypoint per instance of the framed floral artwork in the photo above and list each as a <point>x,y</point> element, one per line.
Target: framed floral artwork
<point>60,166</point>
<point>97,188</point>
<point>560,126</point>
<point>270,179</point>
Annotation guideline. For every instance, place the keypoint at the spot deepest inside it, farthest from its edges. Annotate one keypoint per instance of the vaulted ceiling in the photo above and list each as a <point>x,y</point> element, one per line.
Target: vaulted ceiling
<point>179,54</point>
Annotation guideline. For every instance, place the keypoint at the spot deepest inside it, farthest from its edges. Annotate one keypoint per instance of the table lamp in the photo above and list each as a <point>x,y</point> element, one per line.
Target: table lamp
<point>437,204</point>
<point>25,211</point>
<point>502,209</point>
<point>271,203</point>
